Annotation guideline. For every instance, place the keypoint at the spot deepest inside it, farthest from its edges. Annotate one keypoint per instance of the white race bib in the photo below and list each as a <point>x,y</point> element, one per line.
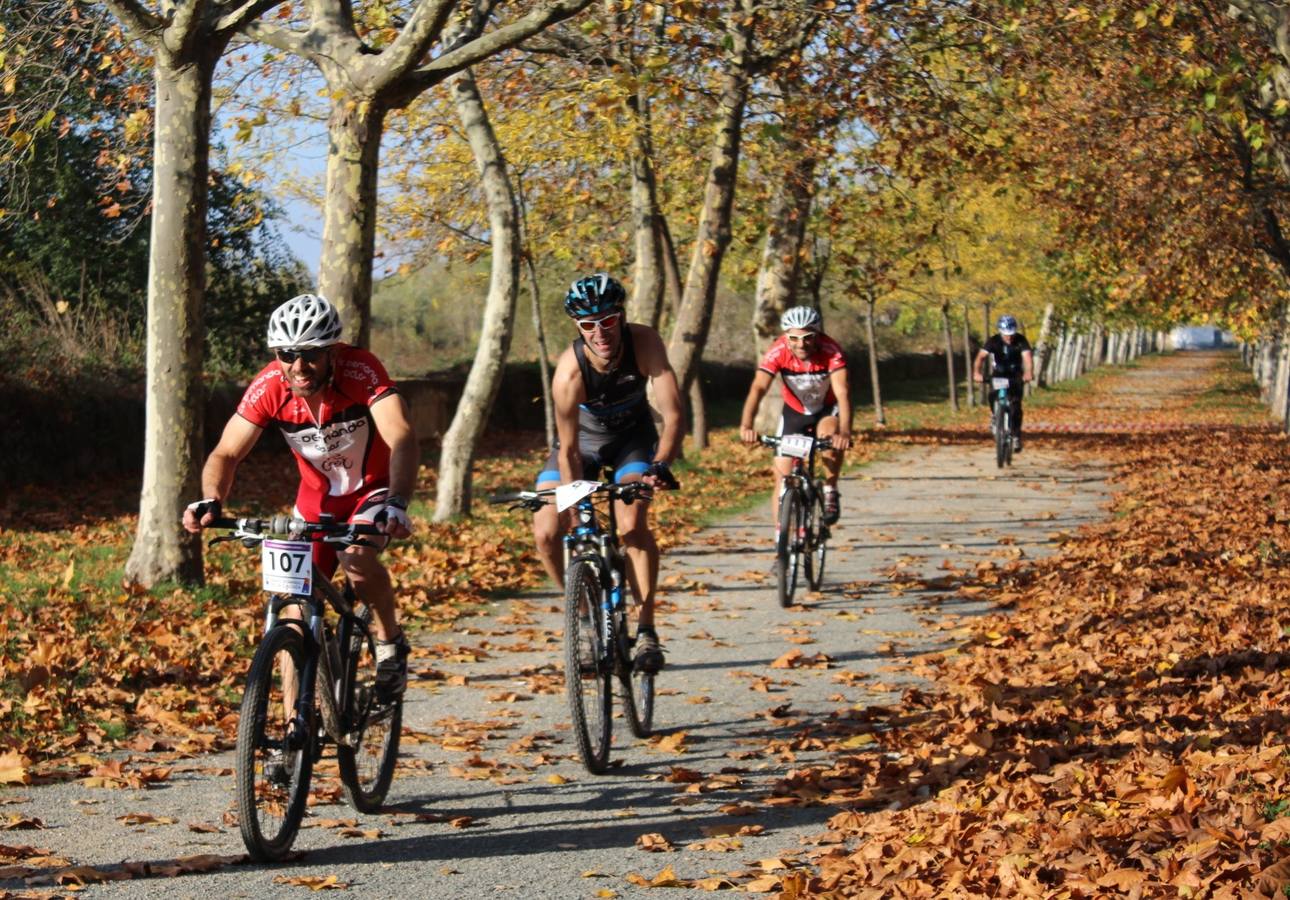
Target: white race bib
<point>1001,383</point>
<point>287,567</point>
<point>567,495</point>
<point>798,445</point>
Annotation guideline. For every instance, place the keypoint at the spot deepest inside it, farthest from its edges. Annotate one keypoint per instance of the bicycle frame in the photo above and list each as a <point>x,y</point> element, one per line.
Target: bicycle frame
<point>322,651</point>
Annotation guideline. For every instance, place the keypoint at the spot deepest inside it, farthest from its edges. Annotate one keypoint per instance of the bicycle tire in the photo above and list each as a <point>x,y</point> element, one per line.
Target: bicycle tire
<point>586,668</point>
<point>262,800</point>
<point>790,520</point>
<point>1007,438</point>
<point>637,688</point>
<point>817,541</point>
<point>1001,437</point>
<point>367,764</point>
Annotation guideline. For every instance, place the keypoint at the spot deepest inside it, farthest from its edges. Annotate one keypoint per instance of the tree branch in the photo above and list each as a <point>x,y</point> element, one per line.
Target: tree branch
<point>486,45</point>
<point>142,24</point>
<point>284,39</point>
<point>248,12</point>
<point>415,38</point>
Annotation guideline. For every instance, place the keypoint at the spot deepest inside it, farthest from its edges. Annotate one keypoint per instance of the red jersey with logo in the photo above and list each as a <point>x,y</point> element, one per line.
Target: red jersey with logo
<point>340,453</point>
<point>807,386</point>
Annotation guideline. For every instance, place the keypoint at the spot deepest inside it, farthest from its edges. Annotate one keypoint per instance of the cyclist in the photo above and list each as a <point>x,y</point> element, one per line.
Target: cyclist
<point>603,419</point>
<point>817,398</point>
<point>1012,359</point>
<point>354,446</point>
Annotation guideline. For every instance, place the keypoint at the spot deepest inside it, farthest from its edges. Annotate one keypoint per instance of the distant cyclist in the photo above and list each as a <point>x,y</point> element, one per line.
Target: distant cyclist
<point>1012,359</point>
<point>354,446</point>
<point>817,399</point>
<point>603,420</point>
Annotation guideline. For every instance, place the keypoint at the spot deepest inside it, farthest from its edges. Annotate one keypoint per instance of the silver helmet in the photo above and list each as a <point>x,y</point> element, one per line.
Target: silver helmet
<point>800,317</point>
<point>304,321</point>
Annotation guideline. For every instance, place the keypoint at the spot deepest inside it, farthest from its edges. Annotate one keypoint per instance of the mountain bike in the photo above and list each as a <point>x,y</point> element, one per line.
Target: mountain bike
<point>803,538</point>
<point>597,636</point>
<point>1001,421</point>
<point>286,718</point>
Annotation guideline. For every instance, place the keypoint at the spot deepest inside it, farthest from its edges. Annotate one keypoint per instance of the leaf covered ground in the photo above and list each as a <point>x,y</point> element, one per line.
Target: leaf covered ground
<point>1118,726</point>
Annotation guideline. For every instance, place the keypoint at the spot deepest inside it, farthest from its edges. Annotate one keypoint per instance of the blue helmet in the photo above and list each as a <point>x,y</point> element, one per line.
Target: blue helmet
<point>594,295</point>
<point>1007,325</point>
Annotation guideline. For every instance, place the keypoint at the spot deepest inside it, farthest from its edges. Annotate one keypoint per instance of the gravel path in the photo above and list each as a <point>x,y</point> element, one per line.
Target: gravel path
<point>491,801</point>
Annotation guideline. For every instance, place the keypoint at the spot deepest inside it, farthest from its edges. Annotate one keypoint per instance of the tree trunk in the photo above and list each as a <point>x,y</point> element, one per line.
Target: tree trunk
<point>879,416</point>
<point>698,415</point>
<point>646,302</point>
<point>462,439</point>
<point>173,439</point>
<point>539,330</point>
<point>1042,348</point>
<point>712,237</point>
<point>949,355</point>
<point>544,361</point>
<point>780,269</point>
<point>349,216</point>
<point>969,388</point>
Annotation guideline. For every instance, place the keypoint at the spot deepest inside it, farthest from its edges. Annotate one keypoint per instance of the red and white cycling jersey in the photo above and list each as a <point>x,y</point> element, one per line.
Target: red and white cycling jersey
<point>807,387</point>
<point>341,452</point>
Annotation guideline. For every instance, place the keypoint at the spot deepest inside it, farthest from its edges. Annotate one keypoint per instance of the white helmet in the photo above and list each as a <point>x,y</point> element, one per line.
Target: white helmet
<point>800,317</point>
<point>304,321</point>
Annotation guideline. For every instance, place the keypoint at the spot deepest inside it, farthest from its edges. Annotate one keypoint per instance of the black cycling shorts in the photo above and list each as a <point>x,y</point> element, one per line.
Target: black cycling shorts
<point>629,453</point>
<point>793,422</point>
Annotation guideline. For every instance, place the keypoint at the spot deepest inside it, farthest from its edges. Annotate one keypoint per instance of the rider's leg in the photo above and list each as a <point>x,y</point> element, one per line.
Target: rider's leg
<point>831,459</point>
<point>371,581</point>
<point>782,465</point>
<point>547,534</point>
<point>641,551</point>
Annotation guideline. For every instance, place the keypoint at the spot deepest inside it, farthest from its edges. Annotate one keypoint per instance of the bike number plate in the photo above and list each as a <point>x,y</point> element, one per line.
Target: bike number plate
<point>1001,383</point>
<point>287,567</point>
<point>567,495</point>
<point>798,445</point>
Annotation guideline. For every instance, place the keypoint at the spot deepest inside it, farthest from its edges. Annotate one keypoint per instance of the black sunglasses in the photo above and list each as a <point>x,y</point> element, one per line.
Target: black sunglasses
<point>309,355</point>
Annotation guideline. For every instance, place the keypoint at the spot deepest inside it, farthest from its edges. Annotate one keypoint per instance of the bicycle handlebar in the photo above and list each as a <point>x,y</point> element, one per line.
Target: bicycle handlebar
<point>772,440</point>
<point>627,492</point>
<point>284,526</point>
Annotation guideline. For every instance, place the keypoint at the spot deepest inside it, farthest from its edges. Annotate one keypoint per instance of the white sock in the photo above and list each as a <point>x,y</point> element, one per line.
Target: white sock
<point>386,650</point>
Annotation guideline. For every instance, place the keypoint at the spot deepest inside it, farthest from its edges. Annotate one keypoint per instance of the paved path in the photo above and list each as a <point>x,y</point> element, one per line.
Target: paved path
<point>491,801</point>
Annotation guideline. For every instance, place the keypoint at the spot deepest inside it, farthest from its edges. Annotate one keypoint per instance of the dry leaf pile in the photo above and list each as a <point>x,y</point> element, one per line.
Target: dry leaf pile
<point>1119,728</point>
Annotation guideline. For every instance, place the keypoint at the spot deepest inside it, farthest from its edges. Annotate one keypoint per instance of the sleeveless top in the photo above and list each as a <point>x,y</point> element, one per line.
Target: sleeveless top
<point>615,399</point>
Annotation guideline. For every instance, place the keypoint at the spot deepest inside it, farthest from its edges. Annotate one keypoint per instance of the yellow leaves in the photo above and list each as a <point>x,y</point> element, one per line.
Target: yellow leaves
<point>654,843</point>
<point>14,768</point>
<point>313,882</point>
<point>138,126</point>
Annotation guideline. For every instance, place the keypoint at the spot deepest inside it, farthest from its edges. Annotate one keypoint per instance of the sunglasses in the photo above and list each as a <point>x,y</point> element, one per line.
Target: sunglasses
<point>604,323</point>
<point>308,356</point>
<point>800,338</point>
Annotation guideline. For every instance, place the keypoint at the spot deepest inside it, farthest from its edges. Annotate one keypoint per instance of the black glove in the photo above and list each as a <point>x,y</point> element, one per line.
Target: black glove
<point>663,474</point>
<point>202,507</point>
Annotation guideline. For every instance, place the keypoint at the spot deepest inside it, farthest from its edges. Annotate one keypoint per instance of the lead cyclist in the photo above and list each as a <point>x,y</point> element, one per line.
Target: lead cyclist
<point>355,450</point>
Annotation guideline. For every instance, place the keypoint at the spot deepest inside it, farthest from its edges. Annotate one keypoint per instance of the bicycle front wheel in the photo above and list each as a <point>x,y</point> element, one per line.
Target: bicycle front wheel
<point>274,758</point>
<point>368,746</point>
<point>817,541</point>
<point>789,545</point>
<point>1002,440</point>
<point>587,672</point>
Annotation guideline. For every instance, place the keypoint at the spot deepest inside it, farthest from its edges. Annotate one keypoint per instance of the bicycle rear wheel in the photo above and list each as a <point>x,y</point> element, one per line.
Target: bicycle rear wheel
<point>817,541</point>
<point>587,672</point>
<point>789,545</point>
<point>274,762</point>
<point>369,743</point>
